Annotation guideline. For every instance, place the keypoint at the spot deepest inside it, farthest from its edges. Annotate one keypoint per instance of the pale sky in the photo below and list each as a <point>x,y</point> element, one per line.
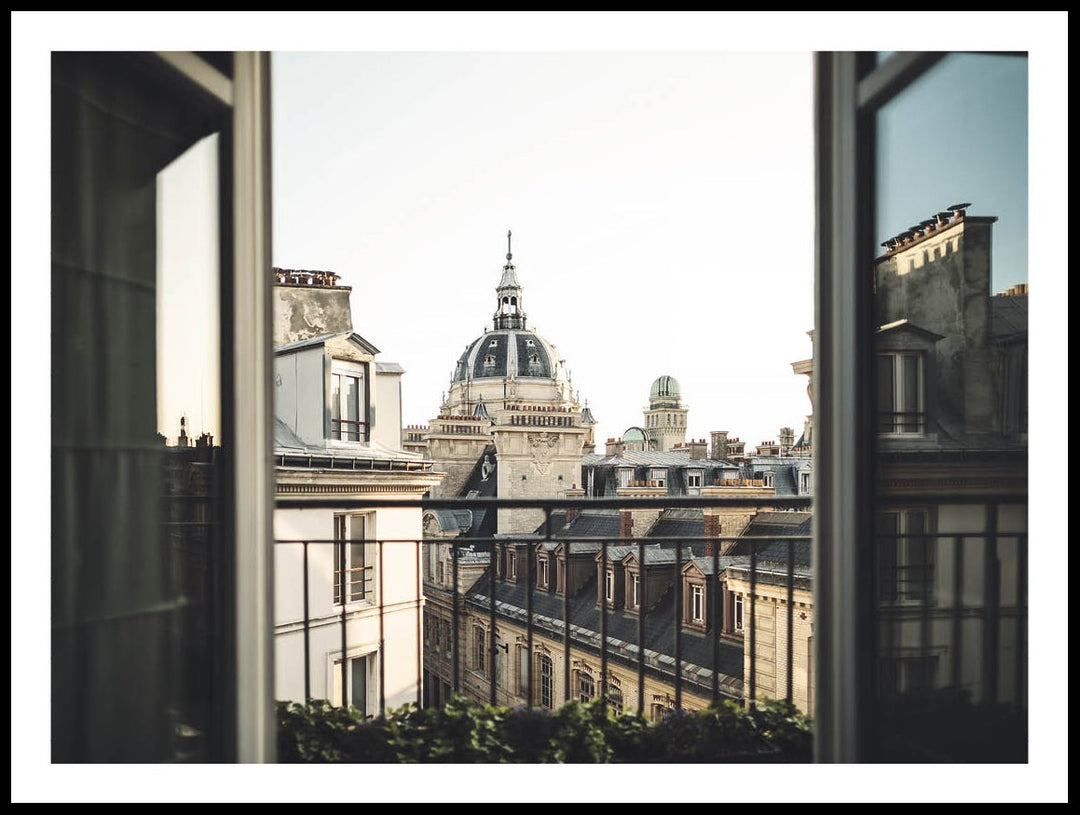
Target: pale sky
<point>661,206</point>
<point>609,254</point>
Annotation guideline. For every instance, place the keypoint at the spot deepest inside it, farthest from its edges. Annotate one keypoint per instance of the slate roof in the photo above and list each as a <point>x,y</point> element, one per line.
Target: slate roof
<point>484,519</point>
<point>696,649</point>
<point>1009,316</point>
<point>776,524</point>
<point>454,520</point>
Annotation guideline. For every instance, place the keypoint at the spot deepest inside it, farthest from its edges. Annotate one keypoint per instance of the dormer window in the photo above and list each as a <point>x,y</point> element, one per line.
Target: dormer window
<point>493,344</point>
<point>489,361</point>
<point>633,593</point>
<point>348,401</point>
<point>511,565</point>
<point>609,586</point>
<point>694,612</point>
<point>693,478</point>
<point>901,393</point>
<point>767,478</point>
<point>530,343</point>
<point>541,571</point>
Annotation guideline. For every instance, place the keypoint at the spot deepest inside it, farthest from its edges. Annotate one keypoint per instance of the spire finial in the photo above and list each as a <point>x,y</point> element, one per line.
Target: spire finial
<point>508,253</point>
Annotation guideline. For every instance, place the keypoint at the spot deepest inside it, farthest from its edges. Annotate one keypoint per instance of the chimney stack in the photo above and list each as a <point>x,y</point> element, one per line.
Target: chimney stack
<point>712,532</point>
<point>787,440</point>
<point>719,444</point>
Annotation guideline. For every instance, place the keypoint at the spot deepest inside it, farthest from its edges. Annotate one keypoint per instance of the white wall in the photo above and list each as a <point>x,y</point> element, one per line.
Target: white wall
<point>300,393</point>
<point>398,598</point>
<point>388,420</point>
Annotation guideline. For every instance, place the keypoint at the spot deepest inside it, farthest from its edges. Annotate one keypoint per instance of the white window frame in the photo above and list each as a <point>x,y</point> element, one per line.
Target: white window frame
<point>542,566</point>
<point>738,622</point>
<point>609,586</point>
<point>365,547</point>
<point>697,603</point>
<point>901,426</point>
<point>340,370</point>
<point>635,590</point>
<point>369,662</point>
<point>694,478</point>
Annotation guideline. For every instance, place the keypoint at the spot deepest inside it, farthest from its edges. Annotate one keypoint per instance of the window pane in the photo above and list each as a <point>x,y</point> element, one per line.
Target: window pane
<point>351,407</point>
<point>335,403</point>
<point>910,389</point>
<point>950,322</point>
<point>885,396</point>
<point>137,524</point>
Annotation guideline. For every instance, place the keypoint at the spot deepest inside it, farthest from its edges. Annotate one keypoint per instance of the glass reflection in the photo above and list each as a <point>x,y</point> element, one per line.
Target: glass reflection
<point>950,342</point>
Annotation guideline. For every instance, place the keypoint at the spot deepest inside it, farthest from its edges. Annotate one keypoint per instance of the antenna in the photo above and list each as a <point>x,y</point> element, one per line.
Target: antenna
<point>509,254</point>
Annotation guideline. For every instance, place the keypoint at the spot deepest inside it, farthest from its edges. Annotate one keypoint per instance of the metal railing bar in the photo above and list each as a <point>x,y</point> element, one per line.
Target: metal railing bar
<point>343,588</point>
<point>454,613</point>
<point>420,632</point>
<point>603,622</point>
<point>678,625</point>
<point>641,626</point>
<point>752,695</point>
<point>992,583</point>
<point>491,622</point>
<point>381,599</point>
<point>566,621</point>
<point>789,695</point>
<point>958,601</point>
<point>716,620</point>
<point>307,629</point>
<point>1021,617</point>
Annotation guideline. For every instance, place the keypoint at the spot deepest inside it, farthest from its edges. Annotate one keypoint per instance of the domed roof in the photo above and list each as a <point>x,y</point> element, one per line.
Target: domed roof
<point>507,352</point>
<point>635,434</point>
<point>665,386</point>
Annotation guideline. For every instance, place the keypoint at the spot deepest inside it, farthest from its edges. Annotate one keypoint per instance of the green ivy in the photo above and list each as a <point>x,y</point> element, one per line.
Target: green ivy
<point>467,732</point>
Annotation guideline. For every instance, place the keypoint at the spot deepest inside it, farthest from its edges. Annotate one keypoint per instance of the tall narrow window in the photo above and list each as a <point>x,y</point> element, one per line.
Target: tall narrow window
<point>738,621</point>
<point>351,570</point>
<point>547,682</point>
<point>906,557</point>
<point>358,671</point>
<point>615,699</point>
<point>522,670</point>
<point>609,585</point>
<point>586,687</point>
<point>900,393</point>
<point>697,604</point>
<point>635,587</point>
<point>348,402</point>
<point>479,650</point>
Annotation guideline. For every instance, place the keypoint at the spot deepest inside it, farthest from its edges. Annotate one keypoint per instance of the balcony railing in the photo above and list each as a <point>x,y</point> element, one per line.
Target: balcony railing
<point>948,631</point>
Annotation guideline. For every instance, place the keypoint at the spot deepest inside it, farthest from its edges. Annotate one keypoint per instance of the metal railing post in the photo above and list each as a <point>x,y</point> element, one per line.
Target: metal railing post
<point>307,630</point>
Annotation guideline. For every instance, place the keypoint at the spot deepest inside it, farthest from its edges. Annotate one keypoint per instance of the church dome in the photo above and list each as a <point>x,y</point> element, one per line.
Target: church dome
<point>507,352</point>
<point>665,387</point>
<point>634,434</point>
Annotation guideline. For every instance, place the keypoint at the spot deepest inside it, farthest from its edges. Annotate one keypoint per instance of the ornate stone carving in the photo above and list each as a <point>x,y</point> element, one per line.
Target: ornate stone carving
<point>543,445</point>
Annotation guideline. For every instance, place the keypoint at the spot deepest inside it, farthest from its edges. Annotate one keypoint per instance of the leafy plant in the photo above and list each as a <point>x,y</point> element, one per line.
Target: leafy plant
<point>466,732</point>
